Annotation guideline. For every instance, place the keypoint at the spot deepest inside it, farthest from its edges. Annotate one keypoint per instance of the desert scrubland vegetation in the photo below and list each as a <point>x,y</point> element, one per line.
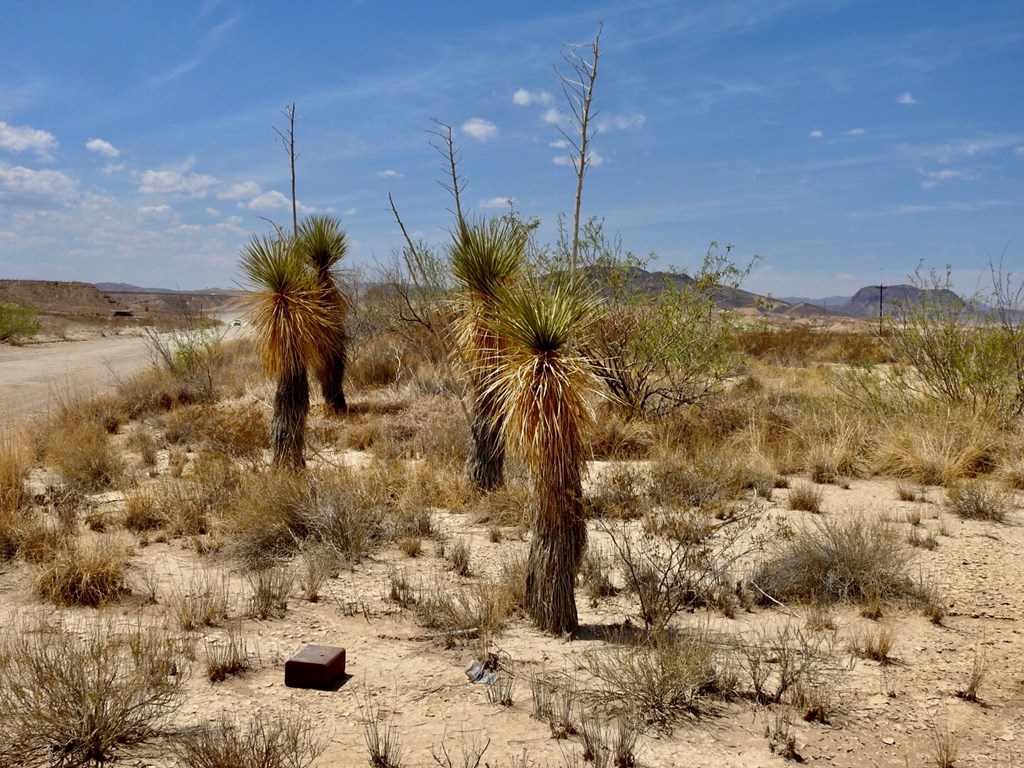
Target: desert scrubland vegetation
<point>669,532</point>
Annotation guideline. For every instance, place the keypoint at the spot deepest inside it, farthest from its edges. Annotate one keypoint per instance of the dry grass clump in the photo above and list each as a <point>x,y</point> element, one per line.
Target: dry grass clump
<point>858,559</point>
<point>15,458</point>
<point>709,480</point>
<point>270,589</point>
<point>479,609</point>
<point>789,663</point>
<point>938,449</point>
<point>89,574</point>
<point>228,656</point>
<point>804,345</point>
<point>81,452</point>
<point>266,741</point>
<point>616,439</point>
<point>619,492</point>
<point>203,602</point>
<point>80,696</point>
<point>142,511</point>
<point>805,498</point>
<point>875,642</point>
<point>510,505</point>
<point>978,500</point>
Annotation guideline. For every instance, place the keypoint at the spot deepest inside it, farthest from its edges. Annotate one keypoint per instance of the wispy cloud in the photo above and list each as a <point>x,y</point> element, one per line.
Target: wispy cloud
<point>207,44</point>
<point>23,138</point>
<point>388,173</point>
<point>171,182</point>
<point>240,190</point>
<point>17,181</point>
<point>554,116</point>
<point>974,147</point>
<point>103,147</point>
<point>906,98</point>
<point>525,98</point>
<point>480,129</point>
<point>854,132</point>
<point>1018,151</point>
<point>952,207</point>
<point>621,123</point>
<point>816,134</point>
<point>499,202</point>
<point>934,178</point>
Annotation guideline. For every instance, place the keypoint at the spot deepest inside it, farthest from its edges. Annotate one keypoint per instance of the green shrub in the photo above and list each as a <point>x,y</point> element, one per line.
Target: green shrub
<point>17,323</point>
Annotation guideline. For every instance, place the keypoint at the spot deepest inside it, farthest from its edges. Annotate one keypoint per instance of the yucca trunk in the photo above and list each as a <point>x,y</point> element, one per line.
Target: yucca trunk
<point>559,536</point>
<point>332,380</point>
<point>288,426</point>
<point>486,461</point>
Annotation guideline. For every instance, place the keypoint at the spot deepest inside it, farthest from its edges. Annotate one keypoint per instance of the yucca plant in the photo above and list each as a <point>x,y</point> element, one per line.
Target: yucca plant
<point>486,257</point>
<point>542,386</point>
<point>295,326</point>
<point>322,242</point>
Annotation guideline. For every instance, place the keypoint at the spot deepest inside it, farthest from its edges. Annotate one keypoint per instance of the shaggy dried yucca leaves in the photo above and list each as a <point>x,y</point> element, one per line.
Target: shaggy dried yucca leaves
<point>75,696</point>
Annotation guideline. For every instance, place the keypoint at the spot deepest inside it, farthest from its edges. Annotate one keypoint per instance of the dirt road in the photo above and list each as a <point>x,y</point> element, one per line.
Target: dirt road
<point>33,377</point>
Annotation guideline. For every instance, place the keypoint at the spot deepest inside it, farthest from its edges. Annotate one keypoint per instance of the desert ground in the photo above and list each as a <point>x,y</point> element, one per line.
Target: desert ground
<point>929,675</point>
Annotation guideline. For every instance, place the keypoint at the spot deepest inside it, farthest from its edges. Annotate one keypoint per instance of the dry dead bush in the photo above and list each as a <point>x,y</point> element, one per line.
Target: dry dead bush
<point>788,663</point>
<point>512,578</point>
<point>15,461</point>
<point>270,589</point>
<point>81,452</point>
<point>80,695</point>
<point>268,519</point>
<point>619,492</point>
<point>660,682</point>
<point>240,433</point>
<point>266,741</point>
<point>857,558</point>
<point>711,479</point>
<point>803,345</point>
<point>978,500</point>
<point>375,364</point>
<point>875,642</point>
<point>142,441</point>
<point>92,573</point>
<point>681,560</point>
<point>938,448</point>
<point>511,505</point>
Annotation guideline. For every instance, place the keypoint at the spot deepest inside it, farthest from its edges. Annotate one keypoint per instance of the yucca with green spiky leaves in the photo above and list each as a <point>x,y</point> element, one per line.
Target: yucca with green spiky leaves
<point>322,242</point>
<point>486,257</point>
<point>543,387</point>
<point>295,326</point>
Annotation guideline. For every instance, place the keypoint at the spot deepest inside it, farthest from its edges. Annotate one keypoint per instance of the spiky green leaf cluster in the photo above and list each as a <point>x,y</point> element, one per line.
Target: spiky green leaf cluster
<point>486,255</point>
<point>295,321</point>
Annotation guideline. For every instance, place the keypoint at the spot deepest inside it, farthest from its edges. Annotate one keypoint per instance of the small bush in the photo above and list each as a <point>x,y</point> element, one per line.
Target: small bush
<point>82,454</point>
<point>459,557</point>
<point>857,559</point>
<point>659,683</point>
<point>203,603</point>
<point>786,663</point>
<point>78,697</point>
<point>478,610</point>
<point>806,498</point>
<point>239,433</point>
<point>17,323</point>
<point>978,500</point>
<point>270,590</point>
<point>875,642</point>
<point>267,741</point>
<point>91,574</point>
<point>142,511</point>
<point>227,656</point>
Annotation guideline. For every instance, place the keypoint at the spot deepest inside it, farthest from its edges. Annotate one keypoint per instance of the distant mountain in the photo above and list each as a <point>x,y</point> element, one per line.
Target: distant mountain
<point>129,288</point>
<point>864,302</point>
<point>827,302</point>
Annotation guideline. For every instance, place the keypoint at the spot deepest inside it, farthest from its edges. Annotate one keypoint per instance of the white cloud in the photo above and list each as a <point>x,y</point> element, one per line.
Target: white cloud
<point>854,132</point>
<point>186,229</point>
<point>816,134</point>
<point>906,98</point>
<point>389,174</point>
<point>105,148</point>
<point>170,182</point>
<point>238,191</point>
<point>212,212</point>
<point>559,144</point>
<point>1019,151</point>
<point>629,122</point>
<point>271,200</point>
<point>499,202</point>
<point>154,210</point>
<point>350,212</point>
<point>15,139</point>
<point>480,129</point>
<point>111,168</point>
<point>525,98</point>
<point>554,116</point>
<point>19,181</point>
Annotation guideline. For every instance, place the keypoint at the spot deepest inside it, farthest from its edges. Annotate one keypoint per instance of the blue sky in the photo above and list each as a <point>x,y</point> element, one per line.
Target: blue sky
<point>842,142</point>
